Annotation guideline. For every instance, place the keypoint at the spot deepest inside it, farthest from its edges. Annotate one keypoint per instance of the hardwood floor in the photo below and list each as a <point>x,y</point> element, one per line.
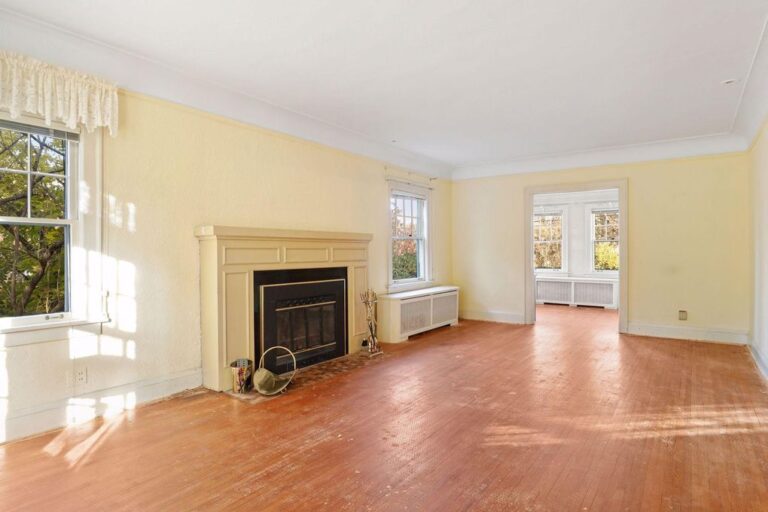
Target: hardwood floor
<point>565,415</point>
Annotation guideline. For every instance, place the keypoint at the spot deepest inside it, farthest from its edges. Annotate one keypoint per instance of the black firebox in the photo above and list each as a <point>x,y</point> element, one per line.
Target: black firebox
<point>304,310</point>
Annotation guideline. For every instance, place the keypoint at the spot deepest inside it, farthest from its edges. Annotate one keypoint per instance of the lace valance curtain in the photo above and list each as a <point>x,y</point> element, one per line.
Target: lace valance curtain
<point>30,86</point>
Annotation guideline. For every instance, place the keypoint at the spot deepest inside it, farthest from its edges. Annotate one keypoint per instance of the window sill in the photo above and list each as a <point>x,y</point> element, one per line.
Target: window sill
<point>407,287</point>
<point>50,331</point>
<point>577,278</point>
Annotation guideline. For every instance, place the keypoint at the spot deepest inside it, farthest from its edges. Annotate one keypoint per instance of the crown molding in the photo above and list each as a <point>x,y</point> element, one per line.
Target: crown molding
<point>663,150</point>
<point>750,115</point>
<point>753,108</point>
<point>135,73</point>
<point>132,72</point>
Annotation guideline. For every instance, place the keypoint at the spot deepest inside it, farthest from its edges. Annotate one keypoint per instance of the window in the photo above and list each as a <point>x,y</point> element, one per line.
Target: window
<point>548,241</point>
<point>605,240</point>
<point>35,222</point>
<point>408,214</point>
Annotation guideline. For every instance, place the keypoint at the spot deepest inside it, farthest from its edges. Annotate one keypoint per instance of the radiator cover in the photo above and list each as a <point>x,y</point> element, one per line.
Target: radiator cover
<point>577,291</point>
<point>407,313</point>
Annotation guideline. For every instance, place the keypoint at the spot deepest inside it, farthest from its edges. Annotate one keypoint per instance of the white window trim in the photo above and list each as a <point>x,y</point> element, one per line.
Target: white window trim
<point>563,212</point>
<point>422,192</point>
<point>591,223</point>
<point>84,233</point>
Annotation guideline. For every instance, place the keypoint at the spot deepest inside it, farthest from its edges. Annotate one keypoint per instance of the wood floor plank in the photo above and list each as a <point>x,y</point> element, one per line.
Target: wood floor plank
<point>564,415</point>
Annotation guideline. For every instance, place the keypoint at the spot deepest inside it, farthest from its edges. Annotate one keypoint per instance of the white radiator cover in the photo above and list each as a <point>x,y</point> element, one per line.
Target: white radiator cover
<point>578,291</point>
<point>415,315</point>
<point>403,314</point>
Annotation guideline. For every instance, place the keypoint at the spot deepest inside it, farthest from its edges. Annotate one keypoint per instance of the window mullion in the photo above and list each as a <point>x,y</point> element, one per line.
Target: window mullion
<point>35,221</point>
<point>29,176</point>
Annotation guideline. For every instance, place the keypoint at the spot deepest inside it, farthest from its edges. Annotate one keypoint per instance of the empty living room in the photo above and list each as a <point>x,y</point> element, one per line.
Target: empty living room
<point>437,255</point>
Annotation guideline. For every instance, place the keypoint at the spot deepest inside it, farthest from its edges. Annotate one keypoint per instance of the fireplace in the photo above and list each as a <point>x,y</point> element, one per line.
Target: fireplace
<point>238,263</point>
<point>303,310</point>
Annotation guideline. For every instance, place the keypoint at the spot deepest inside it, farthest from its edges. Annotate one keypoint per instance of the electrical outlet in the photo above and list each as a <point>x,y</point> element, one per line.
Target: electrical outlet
<point>81,375</point>
<point>682,315</point>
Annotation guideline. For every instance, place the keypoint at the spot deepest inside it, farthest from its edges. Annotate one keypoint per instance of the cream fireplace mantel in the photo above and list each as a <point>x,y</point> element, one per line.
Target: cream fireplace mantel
<point>228,258</point>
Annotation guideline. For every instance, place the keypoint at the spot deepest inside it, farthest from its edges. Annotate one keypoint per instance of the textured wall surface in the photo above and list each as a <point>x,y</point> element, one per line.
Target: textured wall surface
<point>172,168</point>
<point>759,155</point>
<point>689,240</point>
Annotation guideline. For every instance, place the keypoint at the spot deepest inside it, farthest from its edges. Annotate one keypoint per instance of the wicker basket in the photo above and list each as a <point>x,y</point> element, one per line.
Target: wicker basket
<point>266,382</point>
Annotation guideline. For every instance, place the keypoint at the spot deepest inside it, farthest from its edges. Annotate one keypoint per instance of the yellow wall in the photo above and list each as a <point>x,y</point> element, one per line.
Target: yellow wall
<point>689,241</point>
<point>179,167</point>
<point>172,168</point>
<point>759,155</point>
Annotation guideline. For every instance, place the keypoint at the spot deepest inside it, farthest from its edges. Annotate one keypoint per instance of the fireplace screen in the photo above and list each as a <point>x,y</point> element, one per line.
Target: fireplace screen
<point>306,323</point>
<point>308,318</point>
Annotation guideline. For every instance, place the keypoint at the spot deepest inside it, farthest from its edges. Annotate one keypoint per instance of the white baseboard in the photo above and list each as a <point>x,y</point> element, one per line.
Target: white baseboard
<point>60,413</point>
<point>760,361</point>
<point>718,335</point>
<point>493,316</point>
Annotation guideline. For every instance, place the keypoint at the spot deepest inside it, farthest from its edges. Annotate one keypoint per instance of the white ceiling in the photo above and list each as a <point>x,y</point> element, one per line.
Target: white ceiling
<point>464,87</point>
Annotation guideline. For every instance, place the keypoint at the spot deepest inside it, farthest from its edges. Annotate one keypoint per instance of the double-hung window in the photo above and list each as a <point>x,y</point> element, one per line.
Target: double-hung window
<point>548,241</point>
<point>605,240</point>
<point>409,250</point>
<point>36,178</point>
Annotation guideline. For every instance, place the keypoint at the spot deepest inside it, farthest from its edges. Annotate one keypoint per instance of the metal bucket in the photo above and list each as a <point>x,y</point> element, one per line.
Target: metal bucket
<point>241,374</point>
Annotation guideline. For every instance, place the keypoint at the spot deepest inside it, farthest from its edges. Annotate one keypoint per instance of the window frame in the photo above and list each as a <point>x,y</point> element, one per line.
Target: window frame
<point>83,231</point>
<point>550,211</point>
<point>418,192</point>
<point>593,240</point>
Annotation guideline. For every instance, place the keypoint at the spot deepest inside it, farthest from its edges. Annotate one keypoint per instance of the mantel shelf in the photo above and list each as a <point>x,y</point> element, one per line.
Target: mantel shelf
<point>234,232</point>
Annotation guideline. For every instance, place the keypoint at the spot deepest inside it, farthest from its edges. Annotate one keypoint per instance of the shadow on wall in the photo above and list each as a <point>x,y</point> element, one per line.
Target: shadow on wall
<point>87,371</point>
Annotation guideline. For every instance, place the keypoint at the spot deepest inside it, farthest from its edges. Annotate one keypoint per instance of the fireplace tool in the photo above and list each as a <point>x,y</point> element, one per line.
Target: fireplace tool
<point>268,383</point>
<point>371,345</point>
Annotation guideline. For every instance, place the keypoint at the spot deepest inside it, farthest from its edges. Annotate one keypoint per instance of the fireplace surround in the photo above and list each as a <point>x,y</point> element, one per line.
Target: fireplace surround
<point>303,310</point>
<point>230,260</point>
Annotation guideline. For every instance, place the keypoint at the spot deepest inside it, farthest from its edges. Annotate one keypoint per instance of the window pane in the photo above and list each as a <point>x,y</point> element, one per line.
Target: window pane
<point>409,226</point>
<point>548,227</point>
<point>13,194</point>
<point>395,213</point>
<point>418,212</point>
<point>48,197</point>
<point>600,232</point>
<point>32,269</point>
<point>548,255</point>
<point>48,154</point>
<point>405,259</point>
<point>420,258</point>
<point>546,231</point>
<point>402,226</point>
<point>606,256</point>
<point>557,229</point>
<point>606,226</point>
<point>13,150</point>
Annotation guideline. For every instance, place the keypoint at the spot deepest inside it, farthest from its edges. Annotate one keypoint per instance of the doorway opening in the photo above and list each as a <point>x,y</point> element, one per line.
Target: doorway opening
<point>576,238</point>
